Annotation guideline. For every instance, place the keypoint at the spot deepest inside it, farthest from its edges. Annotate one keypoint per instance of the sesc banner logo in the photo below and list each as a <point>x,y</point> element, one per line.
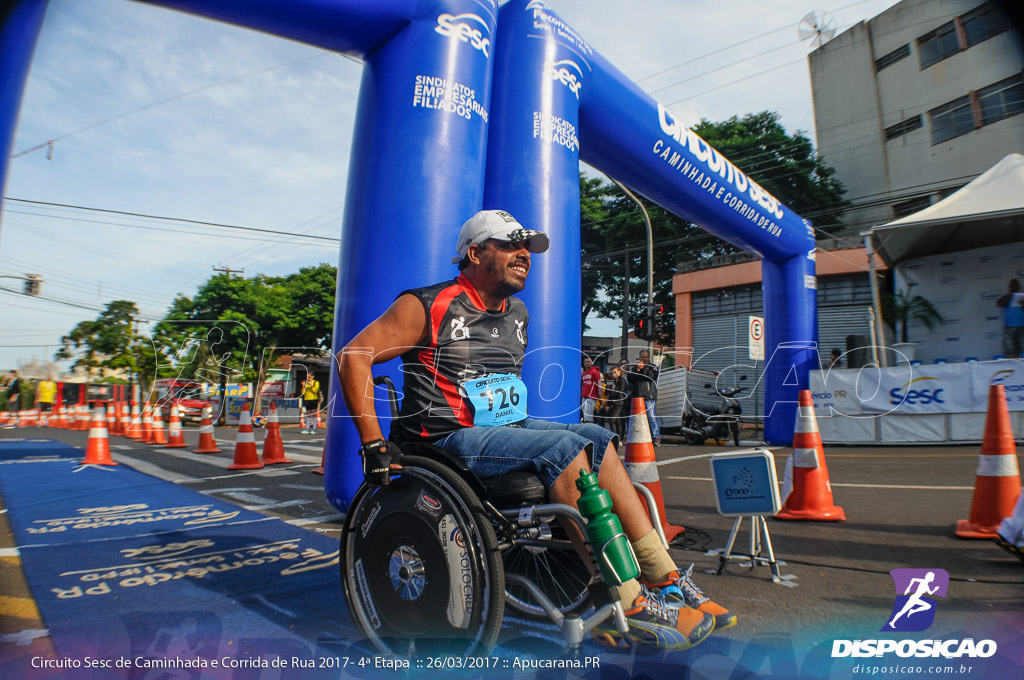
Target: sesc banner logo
<point>920,394</point>
<point>458,27</point>
<point>914,610</point>
<point>566,72</point>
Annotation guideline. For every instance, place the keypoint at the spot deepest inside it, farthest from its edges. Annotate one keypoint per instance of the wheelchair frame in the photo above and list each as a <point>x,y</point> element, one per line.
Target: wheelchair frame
<point>487,534</point>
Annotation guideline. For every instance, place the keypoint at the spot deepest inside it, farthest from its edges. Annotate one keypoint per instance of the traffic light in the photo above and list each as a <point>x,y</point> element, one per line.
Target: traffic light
<point>642,328</point>
<point>32,284</point>
<point>658,323</point>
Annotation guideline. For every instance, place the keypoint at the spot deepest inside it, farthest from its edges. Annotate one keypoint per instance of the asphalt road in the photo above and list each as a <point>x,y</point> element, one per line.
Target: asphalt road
<point>901,505</point>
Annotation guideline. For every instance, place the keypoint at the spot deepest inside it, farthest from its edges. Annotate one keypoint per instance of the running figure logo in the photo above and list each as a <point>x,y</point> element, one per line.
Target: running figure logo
<point>914,610</point>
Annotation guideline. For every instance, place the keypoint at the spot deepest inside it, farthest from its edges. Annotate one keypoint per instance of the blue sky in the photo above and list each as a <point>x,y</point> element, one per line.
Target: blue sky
<point>160,113</point>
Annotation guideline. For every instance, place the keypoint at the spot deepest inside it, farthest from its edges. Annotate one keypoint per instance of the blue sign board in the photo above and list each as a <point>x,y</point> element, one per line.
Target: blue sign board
<point>745,483</point>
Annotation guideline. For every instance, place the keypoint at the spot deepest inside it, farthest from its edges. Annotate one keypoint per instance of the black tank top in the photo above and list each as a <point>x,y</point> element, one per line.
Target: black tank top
<point>466,341</point>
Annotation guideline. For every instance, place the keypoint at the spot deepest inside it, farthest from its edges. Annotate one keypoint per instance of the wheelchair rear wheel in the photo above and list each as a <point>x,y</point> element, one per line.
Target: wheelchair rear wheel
<point>420,564</point>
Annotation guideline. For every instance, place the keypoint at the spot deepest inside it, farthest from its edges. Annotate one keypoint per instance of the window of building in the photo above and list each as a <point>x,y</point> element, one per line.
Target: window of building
<point>735,300</point>
<point>892,57</point>
<point>983,22</point>
<point>1002,100</point>
<point>951,120</point>
<point>910,207</point>
<point>903,127</point>
<point>938,44</point>
<point>844,290</point>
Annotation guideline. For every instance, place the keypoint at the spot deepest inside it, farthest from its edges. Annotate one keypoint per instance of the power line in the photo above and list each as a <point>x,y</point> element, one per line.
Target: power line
<point>172,219</point>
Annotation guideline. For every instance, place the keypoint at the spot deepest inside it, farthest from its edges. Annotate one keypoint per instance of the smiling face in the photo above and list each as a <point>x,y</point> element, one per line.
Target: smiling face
<point>505,265</point>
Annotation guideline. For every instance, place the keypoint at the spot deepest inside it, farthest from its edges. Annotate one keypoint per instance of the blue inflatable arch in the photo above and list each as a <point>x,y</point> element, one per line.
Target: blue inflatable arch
<point>433,144</point>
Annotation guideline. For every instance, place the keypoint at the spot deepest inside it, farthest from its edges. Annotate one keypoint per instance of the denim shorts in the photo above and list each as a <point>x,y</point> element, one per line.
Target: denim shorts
<point>543,447</point>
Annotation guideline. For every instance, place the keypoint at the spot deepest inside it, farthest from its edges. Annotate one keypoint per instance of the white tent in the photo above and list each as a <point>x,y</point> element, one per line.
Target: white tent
<point>987,212</point>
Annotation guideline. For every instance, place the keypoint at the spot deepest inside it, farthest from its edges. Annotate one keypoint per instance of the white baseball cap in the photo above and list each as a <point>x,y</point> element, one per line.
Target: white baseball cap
<point>501,226</point>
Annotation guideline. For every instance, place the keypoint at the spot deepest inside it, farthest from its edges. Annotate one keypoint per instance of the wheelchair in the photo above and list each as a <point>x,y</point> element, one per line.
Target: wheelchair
<point>430,561</point>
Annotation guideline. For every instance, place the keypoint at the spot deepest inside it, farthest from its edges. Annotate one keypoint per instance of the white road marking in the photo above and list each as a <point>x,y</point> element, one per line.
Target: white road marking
<point>155,470</point>
<point>315,520</point>
<point>859,486</point>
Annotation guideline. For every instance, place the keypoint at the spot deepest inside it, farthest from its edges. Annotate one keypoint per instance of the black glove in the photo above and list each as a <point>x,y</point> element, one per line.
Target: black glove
<point>377,458</point>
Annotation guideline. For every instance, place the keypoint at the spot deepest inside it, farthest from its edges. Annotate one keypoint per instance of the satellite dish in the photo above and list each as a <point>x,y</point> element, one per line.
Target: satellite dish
<point>819,26</point>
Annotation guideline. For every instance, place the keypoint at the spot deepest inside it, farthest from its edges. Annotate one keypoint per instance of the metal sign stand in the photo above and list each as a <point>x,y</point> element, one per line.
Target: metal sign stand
<point>758,528</point>
<point>746,486</point>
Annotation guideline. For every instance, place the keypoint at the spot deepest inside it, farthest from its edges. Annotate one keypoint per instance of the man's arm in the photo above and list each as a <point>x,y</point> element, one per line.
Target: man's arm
<point>402,326</point>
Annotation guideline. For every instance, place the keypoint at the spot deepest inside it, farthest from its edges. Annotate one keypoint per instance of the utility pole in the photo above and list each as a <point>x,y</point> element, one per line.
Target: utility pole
<point>228,270</point>
<point>650,250</point>
<point>625,308</point>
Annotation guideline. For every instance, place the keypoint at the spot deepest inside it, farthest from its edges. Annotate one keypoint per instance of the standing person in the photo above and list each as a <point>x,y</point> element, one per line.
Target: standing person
<point>46,392</point>
<point>590,389</point>
<point>1013,320</point>
<point>617,398</point>
<point>13,385</point>
<point>458,340</point>
<point>311,398</point>
<point>643,383</point>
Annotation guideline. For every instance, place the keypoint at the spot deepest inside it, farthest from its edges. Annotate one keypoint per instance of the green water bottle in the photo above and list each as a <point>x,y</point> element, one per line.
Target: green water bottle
<point>611,547</point>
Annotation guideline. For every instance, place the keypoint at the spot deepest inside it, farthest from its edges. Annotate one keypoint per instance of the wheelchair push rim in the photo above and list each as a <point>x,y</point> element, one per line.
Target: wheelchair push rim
<point>420,565</point>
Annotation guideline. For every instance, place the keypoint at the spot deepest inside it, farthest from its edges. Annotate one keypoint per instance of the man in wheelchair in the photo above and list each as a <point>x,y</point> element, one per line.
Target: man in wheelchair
<point>462,343</point>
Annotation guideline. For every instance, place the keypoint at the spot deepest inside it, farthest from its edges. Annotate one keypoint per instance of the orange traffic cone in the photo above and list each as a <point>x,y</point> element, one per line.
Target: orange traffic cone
<point>83,418</point>
<point>207,443</point>
<point>5,418</point>
<point>997,481</point>
<point>111,420</point>
<point>319,422</point>
<point>302,420</point>
<point>97,450</point>
<point>158,435</point>
<point>126,420</point>
<point>273,445</point>
<point>641,466</point>
<point>147,423</point>
<point>806,491</point>
<point>246,455</point>
<point>58,417</point>
<point>177,438</point>
<point>135,426</point>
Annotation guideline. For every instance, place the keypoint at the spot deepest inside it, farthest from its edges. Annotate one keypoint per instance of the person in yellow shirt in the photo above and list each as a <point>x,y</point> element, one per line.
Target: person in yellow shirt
<point>311,398</point>
<point>46,392</point>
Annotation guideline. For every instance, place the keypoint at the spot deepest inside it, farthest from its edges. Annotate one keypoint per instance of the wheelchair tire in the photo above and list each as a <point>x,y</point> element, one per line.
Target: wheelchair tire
<point>558,571</point>
<point>420,565</point>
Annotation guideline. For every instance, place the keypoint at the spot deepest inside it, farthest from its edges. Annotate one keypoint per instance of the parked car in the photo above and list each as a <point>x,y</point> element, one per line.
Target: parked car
<point>187,395</point>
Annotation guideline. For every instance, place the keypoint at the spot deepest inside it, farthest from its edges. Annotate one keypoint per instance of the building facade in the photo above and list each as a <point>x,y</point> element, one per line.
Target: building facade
<point>916,102</point>
<point>715,300</point>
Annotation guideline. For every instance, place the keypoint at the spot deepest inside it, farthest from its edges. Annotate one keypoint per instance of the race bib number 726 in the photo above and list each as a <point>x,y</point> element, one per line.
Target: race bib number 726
<point>498,399</point>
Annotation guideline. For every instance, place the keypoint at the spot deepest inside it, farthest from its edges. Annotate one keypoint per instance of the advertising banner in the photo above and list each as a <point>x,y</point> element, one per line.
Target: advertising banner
<point>903,390</point>
<point>1008,373</point>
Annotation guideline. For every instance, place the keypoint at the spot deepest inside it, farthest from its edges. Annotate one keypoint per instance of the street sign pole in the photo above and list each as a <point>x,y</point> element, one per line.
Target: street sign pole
<point>755,346</point>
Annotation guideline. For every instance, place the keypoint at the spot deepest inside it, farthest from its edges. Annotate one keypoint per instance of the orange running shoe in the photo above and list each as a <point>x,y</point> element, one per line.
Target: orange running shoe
<point>653,623</point>
<point>680,591</point>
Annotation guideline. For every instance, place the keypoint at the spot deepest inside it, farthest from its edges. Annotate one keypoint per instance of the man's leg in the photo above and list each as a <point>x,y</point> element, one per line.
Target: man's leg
<point>652,419</point>
<point>588,410</point>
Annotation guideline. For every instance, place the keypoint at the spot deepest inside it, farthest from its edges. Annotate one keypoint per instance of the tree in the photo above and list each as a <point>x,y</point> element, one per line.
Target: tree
<point>234,324</point>
<point>900,309</point>
<point>786,165</point>
<point>614,238</point>
<point>107,342</point>
<point>613,231</point>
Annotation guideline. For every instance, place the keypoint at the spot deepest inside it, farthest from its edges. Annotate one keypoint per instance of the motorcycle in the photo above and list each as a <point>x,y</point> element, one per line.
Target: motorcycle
<point>715,422</point>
